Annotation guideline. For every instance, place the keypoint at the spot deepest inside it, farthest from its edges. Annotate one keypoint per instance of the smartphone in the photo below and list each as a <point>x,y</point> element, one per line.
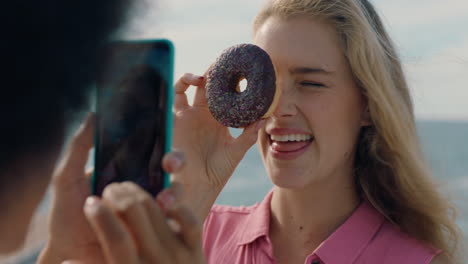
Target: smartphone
<point>133,114</point>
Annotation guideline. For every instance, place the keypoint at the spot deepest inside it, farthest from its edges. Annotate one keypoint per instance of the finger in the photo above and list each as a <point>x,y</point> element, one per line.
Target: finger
<point>116,242</point>
<point>162,228</point>
<point>77,153</point>
<point>158,218</point>
<point>81,143</point>
<point>73,262</point>
<point>89,174</point>
<point>131,203</point>
<point>243,142</point>
<point>168,198</point>
<point>190,226</point>
<point>200,93</point>
<point>173,162</point>
<point>181,86</point>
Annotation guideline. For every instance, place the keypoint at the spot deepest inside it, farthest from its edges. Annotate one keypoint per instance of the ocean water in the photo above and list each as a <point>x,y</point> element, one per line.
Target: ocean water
<point>445,145</point>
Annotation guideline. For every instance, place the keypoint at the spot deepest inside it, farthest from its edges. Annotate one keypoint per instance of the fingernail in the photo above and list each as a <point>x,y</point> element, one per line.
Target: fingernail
<point>198,78</point>
<point>259,125</point>
<point>167,199</point>
<point>176,162</point>
<point>177,159</point>
<point>173,225</point>
<point>91,204</point>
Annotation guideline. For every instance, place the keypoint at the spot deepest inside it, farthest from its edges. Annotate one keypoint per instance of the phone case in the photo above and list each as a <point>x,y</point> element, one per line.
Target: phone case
<point>168,111</point>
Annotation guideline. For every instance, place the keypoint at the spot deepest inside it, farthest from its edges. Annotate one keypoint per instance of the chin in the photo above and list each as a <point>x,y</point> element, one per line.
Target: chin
<point>289,180</point>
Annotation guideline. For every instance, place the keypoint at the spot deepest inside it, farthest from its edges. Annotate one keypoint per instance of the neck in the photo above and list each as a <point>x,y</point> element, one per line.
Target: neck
<point>306,217</point>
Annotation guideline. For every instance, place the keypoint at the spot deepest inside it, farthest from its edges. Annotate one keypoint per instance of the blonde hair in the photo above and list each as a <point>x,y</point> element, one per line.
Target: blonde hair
<point>390,169</point>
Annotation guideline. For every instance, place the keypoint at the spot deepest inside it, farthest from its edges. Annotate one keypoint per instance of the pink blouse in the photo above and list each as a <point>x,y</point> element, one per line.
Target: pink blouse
<point>240,235</point>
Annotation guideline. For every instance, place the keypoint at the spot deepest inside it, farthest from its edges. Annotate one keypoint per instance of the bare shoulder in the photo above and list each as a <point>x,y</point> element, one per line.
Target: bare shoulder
<point>440,259</point>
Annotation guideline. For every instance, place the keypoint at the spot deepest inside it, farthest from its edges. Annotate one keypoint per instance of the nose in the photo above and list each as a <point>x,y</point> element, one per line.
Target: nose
<point>286,106</point>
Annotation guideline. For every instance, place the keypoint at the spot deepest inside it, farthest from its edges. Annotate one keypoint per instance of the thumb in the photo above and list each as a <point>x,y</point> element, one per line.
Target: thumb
<point>73,262</point>
<point>76,154</point>
<point>248,137</point>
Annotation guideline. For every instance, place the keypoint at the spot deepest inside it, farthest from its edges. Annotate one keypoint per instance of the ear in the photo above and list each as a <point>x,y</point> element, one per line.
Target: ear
<point>366,119</point>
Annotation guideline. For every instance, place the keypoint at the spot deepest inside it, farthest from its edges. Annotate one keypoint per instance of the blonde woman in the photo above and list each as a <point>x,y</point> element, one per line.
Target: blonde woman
<point>352,187</point>
<point>356,188</point>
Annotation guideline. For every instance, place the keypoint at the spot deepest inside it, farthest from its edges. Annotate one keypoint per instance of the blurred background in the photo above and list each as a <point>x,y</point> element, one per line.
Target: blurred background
<point>432,40</point>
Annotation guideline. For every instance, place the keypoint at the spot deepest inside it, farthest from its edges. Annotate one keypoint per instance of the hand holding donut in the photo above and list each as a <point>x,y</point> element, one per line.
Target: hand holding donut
<point>201,131</point>
<point>210,149</point>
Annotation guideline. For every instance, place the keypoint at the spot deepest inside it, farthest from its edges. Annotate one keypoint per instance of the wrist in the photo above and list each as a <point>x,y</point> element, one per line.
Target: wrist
<point>57,253</point>
<point>200,199</point>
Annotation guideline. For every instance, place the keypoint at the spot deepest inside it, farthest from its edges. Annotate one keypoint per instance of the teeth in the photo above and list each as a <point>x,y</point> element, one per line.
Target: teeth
<point>291,137</point>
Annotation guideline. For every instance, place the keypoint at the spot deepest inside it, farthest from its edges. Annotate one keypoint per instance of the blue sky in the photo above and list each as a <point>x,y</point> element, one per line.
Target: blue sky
<point>431,35</point>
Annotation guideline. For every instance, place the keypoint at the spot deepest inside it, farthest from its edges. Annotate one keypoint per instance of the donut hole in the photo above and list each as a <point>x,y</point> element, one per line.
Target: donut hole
<point>242,86</point>
<point>235,132</point>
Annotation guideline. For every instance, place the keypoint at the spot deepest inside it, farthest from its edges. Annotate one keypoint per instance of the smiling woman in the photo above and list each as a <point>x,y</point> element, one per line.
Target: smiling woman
<point>364,108</point>
<point>340,148</point>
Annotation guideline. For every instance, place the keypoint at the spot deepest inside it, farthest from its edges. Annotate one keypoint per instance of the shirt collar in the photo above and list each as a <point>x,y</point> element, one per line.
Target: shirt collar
<point>258,222</point>
<point>352,237</point>
<point>342,246</point>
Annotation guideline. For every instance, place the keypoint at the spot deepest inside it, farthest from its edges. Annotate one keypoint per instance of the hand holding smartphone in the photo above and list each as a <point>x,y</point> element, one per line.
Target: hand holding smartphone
<point>134,114</point>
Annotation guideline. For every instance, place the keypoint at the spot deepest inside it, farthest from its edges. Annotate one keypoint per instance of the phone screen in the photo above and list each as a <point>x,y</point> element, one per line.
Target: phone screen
<point>133,115</point>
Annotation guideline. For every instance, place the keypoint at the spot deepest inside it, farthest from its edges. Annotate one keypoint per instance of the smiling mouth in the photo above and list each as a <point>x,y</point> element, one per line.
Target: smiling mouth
<point>289,143</point>
<point>291,138</point>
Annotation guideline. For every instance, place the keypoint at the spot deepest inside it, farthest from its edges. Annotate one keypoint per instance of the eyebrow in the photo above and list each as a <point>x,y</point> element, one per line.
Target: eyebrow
<point>307,70</point>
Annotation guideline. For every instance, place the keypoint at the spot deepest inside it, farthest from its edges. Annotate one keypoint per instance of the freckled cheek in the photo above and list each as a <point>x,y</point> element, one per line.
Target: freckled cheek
<point>340,141</point>
<point>318,113</point>
<point>331,123</point>
<point>312,107</point>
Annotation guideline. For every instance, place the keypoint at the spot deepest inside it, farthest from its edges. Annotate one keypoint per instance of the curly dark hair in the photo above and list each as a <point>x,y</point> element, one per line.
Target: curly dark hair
<point>48,52</point>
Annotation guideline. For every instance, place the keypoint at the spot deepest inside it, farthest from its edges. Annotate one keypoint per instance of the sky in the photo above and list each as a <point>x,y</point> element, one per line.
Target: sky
<point>431,37</point>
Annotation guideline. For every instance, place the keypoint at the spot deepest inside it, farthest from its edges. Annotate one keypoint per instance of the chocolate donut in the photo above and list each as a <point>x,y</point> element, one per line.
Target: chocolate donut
<point>227,104</point>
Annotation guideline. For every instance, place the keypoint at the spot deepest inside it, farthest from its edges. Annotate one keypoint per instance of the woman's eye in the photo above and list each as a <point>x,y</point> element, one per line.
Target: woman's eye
<point>312,84</point>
